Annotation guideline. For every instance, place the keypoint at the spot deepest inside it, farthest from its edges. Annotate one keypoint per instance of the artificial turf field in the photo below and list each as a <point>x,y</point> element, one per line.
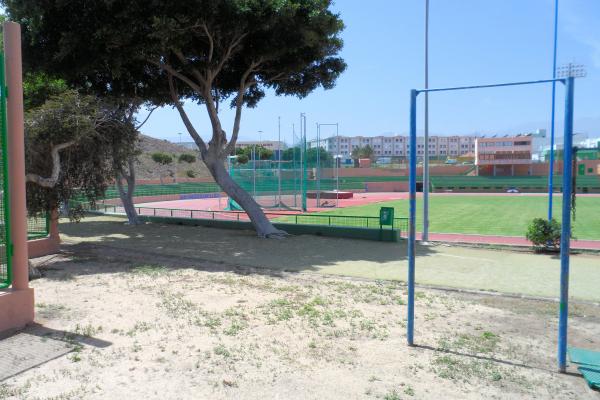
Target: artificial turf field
<point>489,215</point>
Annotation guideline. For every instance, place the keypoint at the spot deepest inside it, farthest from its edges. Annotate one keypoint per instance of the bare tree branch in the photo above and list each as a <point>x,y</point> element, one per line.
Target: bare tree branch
<point>211,42</point>
<point>53,179</point>
<point>230,50</point>
<point>171,71</point>
<point>239,102</point>
<point>206,81</point>
<point>186,121</point>
<point>147,117</point>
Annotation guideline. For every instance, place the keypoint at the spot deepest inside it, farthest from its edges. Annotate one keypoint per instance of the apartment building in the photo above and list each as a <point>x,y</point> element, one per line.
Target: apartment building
<point>398,146</point>
<point>509,155</point>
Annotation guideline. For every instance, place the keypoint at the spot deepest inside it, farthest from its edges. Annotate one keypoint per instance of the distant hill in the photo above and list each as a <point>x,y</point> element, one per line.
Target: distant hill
<point>146,168</point>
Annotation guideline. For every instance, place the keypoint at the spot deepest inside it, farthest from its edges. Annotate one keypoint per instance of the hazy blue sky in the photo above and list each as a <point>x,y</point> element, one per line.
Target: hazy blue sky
<point>471,42</point>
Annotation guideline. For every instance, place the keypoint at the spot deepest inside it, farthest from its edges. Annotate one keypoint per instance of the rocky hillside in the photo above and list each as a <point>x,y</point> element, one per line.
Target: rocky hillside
<point>146,168</point>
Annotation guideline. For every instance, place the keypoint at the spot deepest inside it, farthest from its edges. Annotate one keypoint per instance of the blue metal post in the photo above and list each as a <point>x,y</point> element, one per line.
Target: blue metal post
<point>551,166</point>
<point>412,183</point>
<point>566,227</point>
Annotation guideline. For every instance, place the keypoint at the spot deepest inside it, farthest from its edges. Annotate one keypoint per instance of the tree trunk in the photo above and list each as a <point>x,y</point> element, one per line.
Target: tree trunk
<point>127,195</point>
<point>261,223</point>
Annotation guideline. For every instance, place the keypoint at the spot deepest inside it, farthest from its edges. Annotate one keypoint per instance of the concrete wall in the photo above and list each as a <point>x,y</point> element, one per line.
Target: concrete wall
<point>367,172</point>
<point>386,186</point>
<point>592,167</point>
<point>48,245</point>
<point>383,235</point>
<point>172,180</point>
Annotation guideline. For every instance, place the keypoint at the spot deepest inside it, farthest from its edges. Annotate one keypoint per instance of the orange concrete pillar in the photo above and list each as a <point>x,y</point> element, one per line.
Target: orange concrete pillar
<point>16,151</point>
<point>16,304</point>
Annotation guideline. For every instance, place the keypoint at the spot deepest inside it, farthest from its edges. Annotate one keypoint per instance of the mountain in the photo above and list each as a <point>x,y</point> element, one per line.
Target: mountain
<point>146,168</point>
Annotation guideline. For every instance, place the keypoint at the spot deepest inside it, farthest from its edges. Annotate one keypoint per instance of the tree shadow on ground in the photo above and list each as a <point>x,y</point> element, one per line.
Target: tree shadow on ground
<point>221,249</point>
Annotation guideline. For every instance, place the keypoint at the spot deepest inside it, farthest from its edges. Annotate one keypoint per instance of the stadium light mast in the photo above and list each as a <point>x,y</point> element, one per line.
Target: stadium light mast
<point>279,159</point>
<point>425,234</point>
<point>551,166</point>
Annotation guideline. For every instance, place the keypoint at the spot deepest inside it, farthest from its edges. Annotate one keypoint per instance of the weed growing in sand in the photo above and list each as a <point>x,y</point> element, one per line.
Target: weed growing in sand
<point>486,342</point>
<point>139,327</point>
<point>149,269</point>
<point>88,330</point>
<point>222,351</point>
<point>393,395</point>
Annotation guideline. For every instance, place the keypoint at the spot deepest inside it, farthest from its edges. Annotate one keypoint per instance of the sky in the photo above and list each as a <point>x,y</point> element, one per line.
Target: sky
<point>470,42</point>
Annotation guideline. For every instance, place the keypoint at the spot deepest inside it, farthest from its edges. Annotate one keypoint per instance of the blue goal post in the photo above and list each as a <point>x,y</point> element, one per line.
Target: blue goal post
<point>566,207</point>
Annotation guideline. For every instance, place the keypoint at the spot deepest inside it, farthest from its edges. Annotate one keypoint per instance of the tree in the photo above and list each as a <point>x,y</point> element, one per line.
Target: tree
<point>291,153</point>
<point>362,152</point>
<point>204,51</point>
<point>55,182</point>
<point>163,159</point>
<point>325,159</point>
<point>69,141</point>
<point>255,152</point>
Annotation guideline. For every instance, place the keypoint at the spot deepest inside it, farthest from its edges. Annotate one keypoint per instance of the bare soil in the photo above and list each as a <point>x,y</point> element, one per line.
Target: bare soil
<point>167,327</point>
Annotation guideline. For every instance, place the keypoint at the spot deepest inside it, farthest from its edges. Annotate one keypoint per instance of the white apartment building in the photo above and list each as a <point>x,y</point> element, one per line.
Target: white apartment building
<point>398,146</point>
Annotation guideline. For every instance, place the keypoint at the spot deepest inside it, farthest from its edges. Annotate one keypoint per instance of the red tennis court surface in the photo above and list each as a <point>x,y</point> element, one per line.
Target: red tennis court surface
<point>220,204</point>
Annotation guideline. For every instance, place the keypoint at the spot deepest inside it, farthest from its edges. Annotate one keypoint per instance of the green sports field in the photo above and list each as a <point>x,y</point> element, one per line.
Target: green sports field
<point>489,215</point>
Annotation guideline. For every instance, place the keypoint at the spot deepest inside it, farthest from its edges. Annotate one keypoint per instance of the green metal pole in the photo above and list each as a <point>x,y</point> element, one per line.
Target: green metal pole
<point>4,166</point>
<point>303,158</point>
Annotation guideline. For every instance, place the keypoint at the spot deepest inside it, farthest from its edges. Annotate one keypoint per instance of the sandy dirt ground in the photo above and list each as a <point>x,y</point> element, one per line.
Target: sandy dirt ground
<point>518,272</point>
<point>150,326</point>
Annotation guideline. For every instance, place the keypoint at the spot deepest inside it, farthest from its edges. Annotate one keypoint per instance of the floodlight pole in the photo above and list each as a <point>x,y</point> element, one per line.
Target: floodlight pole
<point>565,238</point>
<point>425,234</point>
<point>412,201</point>
<point>318,174</point>
<point>551,166</point>
<point>279,158</point>
<point>254,171</point>
<point>294,163</point>
<point>303,160</point>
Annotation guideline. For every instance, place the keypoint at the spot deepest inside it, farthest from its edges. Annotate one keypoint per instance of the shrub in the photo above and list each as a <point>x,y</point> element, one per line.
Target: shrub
<point>544,234</point>
<point>242,159</point>
<point>188,158</point>
<point>190,173</point>
<point>162,158</point>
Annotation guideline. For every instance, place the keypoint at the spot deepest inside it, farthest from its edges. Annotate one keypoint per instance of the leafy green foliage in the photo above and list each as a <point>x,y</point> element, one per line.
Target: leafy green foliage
<point>288,46</point>
<point>544,234</point>
<point>362,152</point>
<point>251,152</point>
<point>188,158</point>
<point>242,159</point>
<point>190,173</point>
<point>208,51</point>
<point>162,158</point>
<point>86,166</point>
<point>293,153</point>
<point>39,87</point>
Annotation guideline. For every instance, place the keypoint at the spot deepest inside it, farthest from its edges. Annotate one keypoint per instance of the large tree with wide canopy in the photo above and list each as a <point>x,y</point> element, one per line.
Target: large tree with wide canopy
<point>208,52</point>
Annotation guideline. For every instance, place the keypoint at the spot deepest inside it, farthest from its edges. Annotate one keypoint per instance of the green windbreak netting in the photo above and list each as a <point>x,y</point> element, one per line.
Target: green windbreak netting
<point>38,226</point>
<point>273,184</point>
<point>5,271</point>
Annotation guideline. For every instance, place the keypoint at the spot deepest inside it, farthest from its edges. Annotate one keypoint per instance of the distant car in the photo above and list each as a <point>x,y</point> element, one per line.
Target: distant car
<point>512,190</point>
